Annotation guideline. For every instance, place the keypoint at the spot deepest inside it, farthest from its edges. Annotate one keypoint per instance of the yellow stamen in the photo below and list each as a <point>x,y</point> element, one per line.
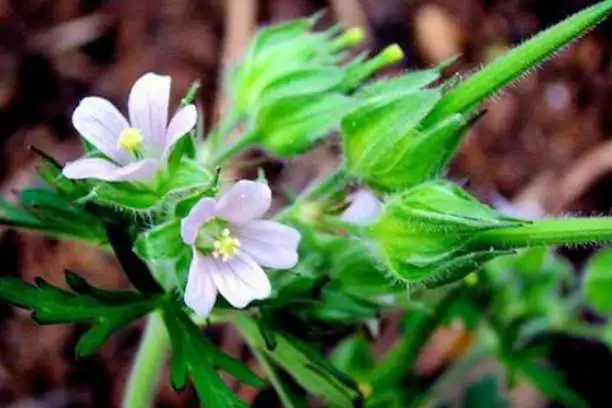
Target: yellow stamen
<point>130,139</point>
<point>226,246</point>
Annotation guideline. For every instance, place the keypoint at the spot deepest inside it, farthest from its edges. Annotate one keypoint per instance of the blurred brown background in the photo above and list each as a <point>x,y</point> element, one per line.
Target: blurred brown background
<point>544,143</point>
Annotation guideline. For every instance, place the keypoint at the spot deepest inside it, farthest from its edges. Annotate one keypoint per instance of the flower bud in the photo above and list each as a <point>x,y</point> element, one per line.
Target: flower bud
<point>290,125</point>
<point>422,231</point>
<point>386,146</point>
<point>301,53</point>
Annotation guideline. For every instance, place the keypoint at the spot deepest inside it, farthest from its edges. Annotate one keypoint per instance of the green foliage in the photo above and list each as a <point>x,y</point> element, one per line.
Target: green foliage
<point>107,311</point>
<point>598,282</point>
<point>194,355</point>
<point>306,365</point>
<point>294,87</point>
<point>52,213</point>
<point>484,394</point>
<point>550,383</point>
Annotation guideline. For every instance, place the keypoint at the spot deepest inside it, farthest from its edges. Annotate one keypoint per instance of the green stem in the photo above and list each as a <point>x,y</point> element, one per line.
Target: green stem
<point>232,150</point>
<point>146,371</point>
<point>227,123</point>
<point>330,184</point>
<point>546,232</point>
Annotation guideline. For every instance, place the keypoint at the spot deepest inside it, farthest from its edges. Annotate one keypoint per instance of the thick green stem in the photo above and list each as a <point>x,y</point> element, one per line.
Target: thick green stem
<point>546,232</point>
<point>150,359</point>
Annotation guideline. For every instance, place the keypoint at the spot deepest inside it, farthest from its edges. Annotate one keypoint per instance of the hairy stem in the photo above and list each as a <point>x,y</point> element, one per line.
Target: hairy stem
<point>546,232</point>
<point>146,371</point>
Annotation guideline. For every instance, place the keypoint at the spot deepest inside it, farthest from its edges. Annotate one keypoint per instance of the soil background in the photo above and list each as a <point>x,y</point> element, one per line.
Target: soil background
<point>544,144</point>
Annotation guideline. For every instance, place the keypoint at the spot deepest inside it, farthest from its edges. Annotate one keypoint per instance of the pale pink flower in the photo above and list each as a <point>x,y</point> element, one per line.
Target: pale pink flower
<point>365,208</point>
<point>134,150</point>
<point>230,242</point>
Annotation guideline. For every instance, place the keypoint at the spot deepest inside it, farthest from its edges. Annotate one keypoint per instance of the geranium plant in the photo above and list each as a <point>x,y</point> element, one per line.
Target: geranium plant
<point>383,232</point>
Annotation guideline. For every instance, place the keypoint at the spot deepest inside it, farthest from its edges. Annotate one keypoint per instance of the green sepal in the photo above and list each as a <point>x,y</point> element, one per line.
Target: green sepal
<point>107,311</point>
<point>379,135</point>
<point>405,83</point>
<point>186,178</point>
<point>421,233</point>
<point>291,125</point>
<point>161,242</point>
<point>128,196</point>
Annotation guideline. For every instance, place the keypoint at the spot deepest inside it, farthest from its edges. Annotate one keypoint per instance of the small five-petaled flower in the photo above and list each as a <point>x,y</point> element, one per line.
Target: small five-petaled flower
<point>229,243</point>
<point>134,150</point>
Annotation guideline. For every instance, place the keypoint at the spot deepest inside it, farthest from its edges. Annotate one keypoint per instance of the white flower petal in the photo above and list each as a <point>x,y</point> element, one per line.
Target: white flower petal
<point>199,214</point>
<point>101,169</point>
<point>269,243</point>
<point>364,209</point>
<point>100,123</point>
<point>182,122</point>
<point>240,280</point>
<point>245,201</point>
<point>200,292</point>
<point>148,106</point>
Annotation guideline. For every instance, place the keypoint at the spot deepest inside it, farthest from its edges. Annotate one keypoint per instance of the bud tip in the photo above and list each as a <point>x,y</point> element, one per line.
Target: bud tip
<point>393,53</point>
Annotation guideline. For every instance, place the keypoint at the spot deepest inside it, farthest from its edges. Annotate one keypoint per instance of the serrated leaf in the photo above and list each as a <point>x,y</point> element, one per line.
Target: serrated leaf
<point>194,355</point>
<point>51,213</point>
<point>308,367</point>
<point>51,305</point>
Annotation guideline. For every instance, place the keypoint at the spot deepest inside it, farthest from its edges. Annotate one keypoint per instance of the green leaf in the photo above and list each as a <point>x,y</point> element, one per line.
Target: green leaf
<point>195,355</point>
<point>53,214</point>
<point>161,242</point>
<point>597,286</point>
<point>550,383</point>
<point>466,96</point>
<point>288,392</point>
<point>308,368</point>
<point>484,394</point>
<point>354,357</point>
<point>107,311</point>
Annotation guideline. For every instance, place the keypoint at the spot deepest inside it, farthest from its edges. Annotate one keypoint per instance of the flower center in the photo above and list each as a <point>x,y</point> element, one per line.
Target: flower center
<point>226,246</point>
<point>130,139</point>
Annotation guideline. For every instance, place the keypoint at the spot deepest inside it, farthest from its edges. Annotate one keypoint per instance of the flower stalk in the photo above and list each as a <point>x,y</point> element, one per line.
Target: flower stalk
<point>145,374</point>
<point>569,231</point>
